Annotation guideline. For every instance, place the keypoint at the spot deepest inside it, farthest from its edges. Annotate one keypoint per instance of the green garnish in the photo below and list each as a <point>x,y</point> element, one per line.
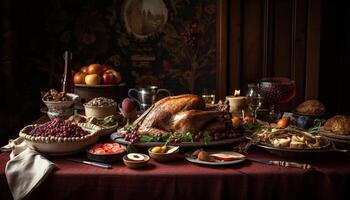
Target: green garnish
<point>146,138</point>
<point>207,137</point>
<point>130,148</point>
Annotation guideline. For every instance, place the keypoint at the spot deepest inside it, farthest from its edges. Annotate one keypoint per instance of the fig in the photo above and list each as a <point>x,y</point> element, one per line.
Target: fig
<point>128,105</point>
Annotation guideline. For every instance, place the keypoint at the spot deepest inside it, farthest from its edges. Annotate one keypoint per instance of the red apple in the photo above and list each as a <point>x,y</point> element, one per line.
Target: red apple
<point>95,69</point>
<point>108,78</point>
<point>116,74</point>
<point>106,67</point>
<point>128,105</point>
<point>79,78</point>
<point>84,69</point>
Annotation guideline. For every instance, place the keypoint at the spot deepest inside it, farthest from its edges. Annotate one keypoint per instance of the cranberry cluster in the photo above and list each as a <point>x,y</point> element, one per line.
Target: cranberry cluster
<point>59,128</point>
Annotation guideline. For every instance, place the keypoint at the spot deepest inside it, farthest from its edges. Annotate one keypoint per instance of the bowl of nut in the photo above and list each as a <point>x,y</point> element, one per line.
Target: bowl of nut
<point>59,104</point>
<point>59,137</point>
<point>100,107</point>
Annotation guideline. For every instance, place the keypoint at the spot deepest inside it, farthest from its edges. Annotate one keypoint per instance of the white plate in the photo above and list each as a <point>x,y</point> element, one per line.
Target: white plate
<point>215,162</point>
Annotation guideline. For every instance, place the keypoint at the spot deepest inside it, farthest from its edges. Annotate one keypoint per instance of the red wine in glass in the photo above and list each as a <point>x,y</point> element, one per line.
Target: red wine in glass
<point>276,91</point>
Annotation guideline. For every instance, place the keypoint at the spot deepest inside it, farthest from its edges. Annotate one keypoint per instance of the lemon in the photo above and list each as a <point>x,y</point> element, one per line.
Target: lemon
<point>156,150</point>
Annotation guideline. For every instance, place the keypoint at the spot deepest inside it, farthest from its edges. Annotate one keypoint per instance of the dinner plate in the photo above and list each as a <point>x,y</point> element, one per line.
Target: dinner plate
<point>190,158</point>
<point>116,137</point>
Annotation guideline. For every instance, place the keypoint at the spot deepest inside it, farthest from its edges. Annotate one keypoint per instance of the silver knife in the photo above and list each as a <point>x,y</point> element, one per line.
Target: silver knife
<point>282,163</point>
<point>96,164</point>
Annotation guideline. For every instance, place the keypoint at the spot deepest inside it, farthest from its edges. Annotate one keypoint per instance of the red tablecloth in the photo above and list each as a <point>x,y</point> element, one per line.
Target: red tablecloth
<point>181,179</point>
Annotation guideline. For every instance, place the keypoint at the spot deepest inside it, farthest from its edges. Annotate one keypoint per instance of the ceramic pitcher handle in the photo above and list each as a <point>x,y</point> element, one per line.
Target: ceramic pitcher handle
<point>163,90</point>
<point>132,97</point>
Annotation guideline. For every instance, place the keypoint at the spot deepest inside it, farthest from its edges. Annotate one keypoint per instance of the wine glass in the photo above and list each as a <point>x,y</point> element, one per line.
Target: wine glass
<point>254,99</point>
<point>276,91</point>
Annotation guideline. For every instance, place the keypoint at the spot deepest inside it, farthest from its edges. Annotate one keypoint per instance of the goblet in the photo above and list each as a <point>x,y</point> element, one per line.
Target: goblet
<point>254,99</point>
<point>276,91</point>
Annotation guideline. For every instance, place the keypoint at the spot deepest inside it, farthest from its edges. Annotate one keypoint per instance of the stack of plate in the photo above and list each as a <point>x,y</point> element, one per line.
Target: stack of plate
<point>339,139</point>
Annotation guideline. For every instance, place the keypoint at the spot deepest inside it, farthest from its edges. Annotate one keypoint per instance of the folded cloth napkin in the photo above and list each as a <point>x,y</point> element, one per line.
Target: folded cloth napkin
<point>26,168</point>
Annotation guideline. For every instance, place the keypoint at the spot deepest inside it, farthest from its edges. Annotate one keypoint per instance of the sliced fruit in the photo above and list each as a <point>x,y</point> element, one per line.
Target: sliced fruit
<point>227,156</point>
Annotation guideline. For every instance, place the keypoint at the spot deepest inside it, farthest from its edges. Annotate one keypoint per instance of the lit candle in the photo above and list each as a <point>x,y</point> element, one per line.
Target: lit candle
<point>236,102</point>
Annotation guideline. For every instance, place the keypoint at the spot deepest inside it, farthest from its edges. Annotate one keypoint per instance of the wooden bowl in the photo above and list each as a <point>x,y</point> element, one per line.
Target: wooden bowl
<point>163,157</point>
<point>134,164</point>
<point>88,92</point>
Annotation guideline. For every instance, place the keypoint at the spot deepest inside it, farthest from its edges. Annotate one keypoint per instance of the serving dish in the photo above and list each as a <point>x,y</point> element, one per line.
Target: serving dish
<point>168,155</point>
<point>189,157</point>
<point>57,145</point>
<point>292,152</point>
<point>118,138</point>
<point>134,164</point>
<point>106,152</point>
<point>292,142</point>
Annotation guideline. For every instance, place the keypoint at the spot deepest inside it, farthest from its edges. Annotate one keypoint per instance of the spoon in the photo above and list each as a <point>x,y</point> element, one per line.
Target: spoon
<point>173,149</point>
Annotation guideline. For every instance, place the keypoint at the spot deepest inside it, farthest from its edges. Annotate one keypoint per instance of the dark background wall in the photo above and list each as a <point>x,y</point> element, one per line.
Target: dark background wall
<point>305,40</point>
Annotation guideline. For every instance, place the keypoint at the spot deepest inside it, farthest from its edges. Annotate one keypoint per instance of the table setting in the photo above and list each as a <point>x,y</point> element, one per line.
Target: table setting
<point>147,132</point>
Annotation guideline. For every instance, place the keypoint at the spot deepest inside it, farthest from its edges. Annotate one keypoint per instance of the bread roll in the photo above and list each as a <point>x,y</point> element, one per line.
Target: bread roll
<point>339,124</point>
<point>311,107</point>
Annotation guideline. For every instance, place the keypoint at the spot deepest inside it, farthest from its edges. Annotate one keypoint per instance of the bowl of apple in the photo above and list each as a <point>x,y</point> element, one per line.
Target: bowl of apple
<point>96,80</point>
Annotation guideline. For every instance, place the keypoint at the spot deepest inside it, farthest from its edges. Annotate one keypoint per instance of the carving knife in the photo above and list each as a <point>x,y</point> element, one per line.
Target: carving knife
<point>282,163</point>
<point>96,164</point>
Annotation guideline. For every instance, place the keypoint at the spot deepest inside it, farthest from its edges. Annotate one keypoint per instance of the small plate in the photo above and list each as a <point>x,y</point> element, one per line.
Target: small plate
<point>190,158</point>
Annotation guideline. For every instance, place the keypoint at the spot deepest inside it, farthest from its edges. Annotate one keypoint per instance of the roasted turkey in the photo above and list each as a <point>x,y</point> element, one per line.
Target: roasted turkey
<point>184,113</point>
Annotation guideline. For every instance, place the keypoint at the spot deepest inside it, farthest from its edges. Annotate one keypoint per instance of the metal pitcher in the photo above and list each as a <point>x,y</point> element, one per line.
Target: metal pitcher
<point>146,96</point>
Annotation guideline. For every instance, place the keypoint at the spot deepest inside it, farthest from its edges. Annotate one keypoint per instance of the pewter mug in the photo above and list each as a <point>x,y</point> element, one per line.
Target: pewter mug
<point>146,96</point>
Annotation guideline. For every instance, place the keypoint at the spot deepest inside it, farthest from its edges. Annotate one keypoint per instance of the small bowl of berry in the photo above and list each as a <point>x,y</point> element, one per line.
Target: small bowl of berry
<point>59,137</point>
<point>106,152</point>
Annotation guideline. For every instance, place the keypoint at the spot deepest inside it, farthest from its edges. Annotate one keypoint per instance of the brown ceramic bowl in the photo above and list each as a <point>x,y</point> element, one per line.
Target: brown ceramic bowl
<point>134,164</point>
<point>164,157</point>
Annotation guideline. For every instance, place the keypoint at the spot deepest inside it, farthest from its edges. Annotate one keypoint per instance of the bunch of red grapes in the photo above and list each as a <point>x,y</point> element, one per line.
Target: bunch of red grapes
<point>59,128</point>
<point>131,136</point>
<point>191,35</point>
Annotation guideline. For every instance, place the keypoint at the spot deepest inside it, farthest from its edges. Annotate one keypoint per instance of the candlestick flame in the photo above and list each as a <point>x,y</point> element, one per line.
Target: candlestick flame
<point>237,93</point>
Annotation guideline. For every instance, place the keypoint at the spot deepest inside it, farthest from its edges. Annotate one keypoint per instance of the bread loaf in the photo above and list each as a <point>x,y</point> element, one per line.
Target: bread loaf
<point>339,124</point>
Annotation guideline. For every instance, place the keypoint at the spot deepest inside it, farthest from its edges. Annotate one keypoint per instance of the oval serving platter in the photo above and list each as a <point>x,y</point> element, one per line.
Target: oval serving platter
<point>117,138</point>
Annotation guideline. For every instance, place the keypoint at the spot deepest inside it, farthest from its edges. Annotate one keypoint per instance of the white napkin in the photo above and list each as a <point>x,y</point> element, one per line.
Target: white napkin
<point>26,168</point>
